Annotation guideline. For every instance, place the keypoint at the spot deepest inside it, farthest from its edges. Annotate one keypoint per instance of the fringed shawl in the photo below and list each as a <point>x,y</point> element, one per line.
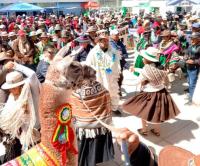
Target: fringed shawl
<point>97,98</point>
<point>17,117</point>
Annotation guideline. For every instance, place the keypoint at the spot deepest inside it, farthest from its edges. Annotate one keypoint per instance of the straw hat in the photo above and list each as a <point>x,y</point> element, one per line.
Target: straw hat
<point>150,54</point>
<point>13,80</point>
<point>172,155</point>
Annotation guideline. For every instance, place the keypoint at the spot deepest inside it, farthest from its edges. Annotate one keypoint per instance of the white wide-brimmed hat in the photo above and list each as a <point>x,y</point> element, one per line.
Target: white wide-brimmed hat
<point>13,80</point>
<point>114,32</point>
<point>150,54</point>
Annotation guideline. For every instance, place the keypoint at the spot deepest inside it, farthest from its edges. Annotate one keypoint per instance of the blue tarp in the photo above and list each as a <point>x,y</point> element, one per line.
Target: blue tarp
<point>20,7</point>
<point>174,2</point>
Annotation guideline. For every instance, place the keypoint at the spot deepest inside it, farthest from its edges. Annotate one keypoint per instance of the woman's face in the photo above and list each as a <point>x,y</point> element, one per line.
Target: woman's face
<point>16,91</point>
<point>145,61</point>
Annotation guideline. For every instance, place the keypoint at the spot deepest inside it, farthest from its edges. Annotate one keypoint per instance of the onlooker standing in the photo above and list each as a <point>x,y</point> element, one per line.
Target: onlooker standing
<point>117,44</point>
<point>48,55</point>
<point>192,62</point>
<point>84,42</point>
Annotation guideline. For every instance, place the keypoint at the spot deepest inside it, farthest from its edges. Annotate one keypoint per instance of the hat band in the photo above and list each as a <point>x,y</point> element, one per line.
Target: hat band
<point>152,56</point>
<point>19,79</point>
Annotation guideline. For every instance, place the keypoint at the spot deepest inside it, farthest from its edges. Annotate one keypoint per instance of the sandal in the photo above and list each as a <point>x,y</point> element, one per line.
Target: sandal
<point>156,133</point>
<point>141,132</point>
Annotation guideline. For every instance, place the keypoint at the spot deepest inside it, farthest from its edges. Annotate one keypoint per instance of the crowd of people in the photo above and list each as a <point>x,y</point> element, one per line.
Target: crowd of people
<point>96,49</point>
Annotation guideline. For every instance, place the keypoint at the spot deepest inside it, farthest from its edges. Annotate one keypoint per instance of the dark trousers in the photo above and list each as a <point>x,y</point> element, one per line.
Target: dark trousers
<point>192,80</point>
<point>121,78</point>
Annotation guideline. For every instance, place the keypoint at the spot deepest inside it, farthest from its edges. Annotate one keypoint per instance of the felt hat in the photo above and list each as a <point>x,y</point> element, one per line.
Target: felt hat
<point>33,33</point>
<point>4,33</point>
<point>114,32</point>
<point>195,35</point>
<point>13,80</point>
<point>39,31</point>
<point>150,54</point>
<point>4,57</point>
<point>44,35</point>
<point>102,36</point>
<point>57,27</point>
<point>11,34</point>
<point>165,33</point>
<point>172,155</point>
<point>21,33</point>
<point>196,25</point>
<point>83,39</point>
<point>92,29</point>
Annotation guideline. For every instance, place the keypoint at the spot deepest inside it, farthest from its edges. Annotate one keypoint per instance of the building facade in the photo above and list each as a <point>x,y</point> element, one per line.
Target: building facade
<point>62,6</point>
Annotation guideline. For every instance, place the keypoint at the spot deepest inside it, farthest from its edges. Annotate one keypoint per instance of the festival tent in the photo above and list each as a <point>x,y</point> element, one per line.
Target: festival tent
<point>21,7</point>
<point>174,2</point>
<point>91,5</point>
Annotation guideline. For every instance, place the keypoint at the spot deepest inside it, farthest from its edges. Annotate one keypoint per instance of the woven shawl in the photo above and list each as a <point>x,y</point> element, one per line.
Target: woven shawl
<point>97,98</point>
<point>154,75</point>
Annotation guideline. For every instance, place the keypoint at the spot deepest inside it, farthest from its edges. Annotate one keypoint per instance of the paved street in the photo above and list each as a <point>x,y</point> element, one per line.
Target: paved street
<point>183,131</point>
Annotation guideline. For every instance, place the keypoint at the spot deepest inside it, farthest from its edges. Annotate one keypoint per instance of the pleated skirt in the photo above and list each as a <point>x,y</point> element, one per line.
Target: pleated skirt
<point>155,107</point>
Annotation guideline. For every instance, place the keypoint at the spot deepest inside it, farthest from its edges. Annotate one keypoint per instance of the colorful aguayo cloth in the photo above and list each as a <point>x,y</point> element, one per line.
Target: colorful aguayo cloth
<point>37,156</point>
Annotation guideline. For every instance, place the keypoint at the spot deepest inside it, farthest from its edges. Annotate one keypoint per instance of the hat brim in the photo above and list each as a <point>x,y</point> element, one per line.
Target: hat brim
<point>7,86</point>
<point>194,37</point>
<point>82,41</point>
<point>144,55</point>
<point>5,58</point>
<point>172,155</point>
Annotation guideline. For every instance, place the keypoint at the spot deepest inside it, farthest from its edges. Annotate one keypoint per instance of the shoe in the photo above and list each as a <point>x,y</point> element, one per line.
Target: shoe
<point>189,103</point>
<point>116,113</point>
<point>186,90</point>
<point>156,133</point>
<point>141,132</point>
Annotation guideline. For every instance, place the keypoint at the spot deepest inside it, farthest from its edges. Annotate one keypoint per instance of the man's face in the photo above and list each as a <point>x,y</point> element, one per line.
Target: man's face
<point>195,29</point>
<point>115,37</point>
<point>166,38</point>
<point>103,43</point>
<point>4,38</point>
<point>16,91</point>
<point>12,37</point>
<point>195,41</point>
<point>45,39</point>
<point>146,36</point>
<point>84,45</point>
<point>93,34</point>
<point>50,53</point>
<point>22,37</point>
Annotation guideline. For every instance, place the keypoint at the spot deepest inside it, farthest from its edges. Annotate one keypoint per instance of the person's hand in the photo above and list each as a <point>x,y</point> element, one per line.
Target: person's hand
<point>190,61</point>
<point>9,65</point>
<point>131,138</point>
